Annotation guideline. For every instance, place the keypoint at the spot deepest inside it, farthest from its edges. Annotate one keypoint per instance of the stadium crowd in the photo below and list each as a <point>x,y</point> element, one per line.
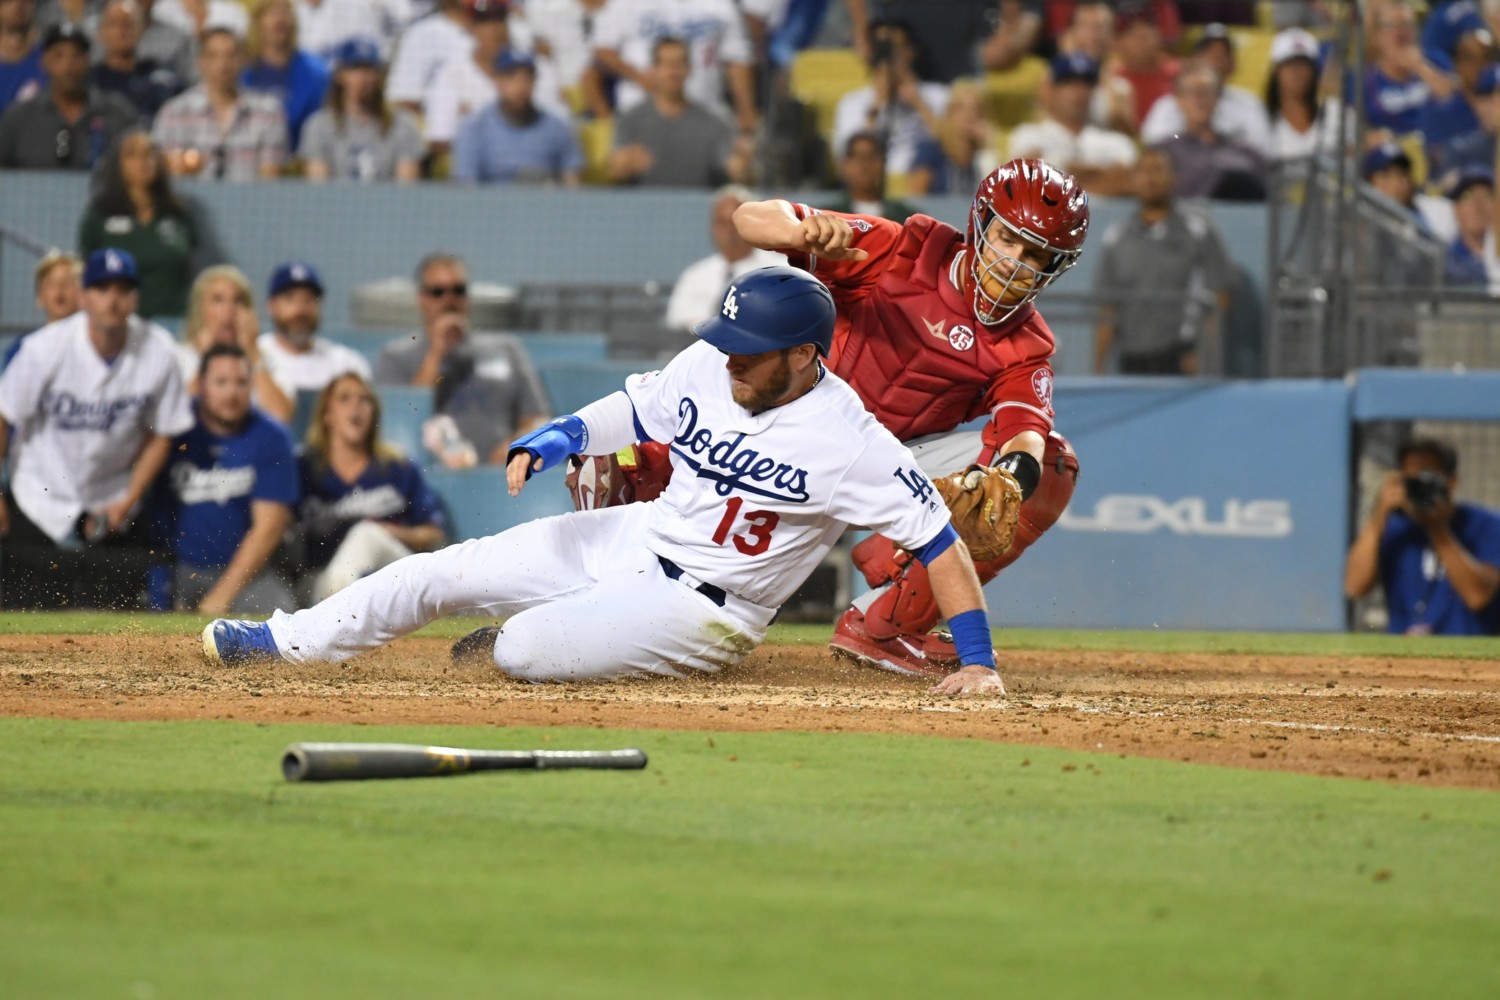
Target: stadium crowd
<point>1159,101</point>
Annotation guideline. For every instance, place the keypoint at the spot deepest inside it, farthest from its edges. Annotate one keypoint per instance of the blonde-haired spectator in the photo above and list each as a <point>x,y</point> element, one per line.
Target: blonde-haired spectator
<point>962,150</point>
<point>364,504</point>
<point>59,293</point>
<point>278,68</point>
<point>221,310</point>
<point>59,284</point>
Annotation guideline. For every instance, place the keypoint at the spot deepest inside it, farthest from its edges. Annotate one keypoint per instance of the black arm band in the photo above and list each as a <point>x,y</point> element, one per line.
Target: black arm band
<point>1027,470</point>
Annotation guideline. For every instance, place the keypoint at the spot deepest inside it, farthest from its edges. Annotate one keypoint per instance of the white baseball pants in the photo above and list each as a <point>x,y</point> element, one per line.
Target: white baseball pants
<point>582,596</point>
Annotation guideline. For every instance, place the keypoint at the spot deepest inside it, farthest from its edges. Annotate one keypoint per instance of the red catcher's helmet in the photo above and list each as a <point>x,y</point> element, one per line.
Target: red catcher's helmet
<point>1041,205</point>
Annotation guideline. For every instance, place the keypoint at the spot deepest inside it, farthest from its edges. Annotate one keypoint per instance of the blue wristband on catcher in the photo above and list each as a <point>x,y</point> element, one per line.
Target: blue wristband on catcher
<point>552,442</point>
<point>971,637</point>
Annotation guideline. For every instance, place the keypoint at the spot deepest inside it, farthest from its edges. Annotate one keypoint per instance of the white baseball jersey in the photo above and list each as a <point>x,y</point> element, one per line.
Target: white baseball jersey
<point>420,53</point>
<point>757,500</point>
<point>79,422</point>
<point>713,30</point>
<point>311,370</point>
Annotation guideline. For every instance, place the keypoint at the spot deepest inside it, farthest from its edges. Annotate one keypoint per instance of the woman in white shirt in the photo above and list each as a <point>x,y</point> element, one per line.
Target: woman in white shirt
<point>1299,127</point>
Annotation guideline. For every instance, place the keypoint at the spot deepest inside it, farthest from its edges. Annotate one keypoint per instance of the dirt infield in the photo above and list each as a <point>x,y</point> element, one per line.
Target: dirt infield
<point>1431,722</point>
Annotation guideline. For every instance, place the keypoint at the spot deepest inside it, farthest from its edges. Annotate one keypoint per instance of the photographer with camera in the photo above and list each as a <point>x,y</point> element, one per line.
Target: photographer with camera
<point>898,105</point>
<point>1437,561</point>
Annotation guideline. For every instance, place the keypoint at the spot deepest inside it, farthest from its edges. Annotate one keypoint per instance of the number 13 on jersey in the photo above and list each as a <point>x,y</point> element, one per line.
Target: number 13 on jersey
<point>756,536</point>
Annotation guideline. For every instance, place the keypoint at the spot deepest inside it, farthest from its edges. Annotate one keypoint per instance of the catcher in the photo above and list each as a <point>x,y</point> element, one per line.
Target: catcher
<point>935,328</point>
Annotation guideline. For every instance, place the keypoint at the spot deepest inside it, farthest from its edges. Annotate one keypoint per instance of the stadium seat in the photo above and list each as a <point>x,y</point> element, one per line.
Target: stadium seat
<point>1010,96</point>
<point>404,409</point>
<point>819,77</point>
<point>574,384</point>
<point>478,505</point>
<point>545,348</point>
<point>596,138</point>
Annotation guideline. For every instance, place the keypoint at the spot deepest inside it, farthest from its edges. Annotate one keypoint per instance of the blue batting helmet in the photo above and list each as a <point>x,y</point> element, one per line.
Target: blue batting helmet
<point>769,309</point>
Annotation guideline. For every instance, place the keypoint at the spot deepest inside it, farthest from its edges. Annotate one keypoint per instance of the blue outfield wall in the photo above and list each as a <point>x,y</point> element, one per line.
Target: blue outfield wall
<point>355,233</point>
<point>1200,505</point>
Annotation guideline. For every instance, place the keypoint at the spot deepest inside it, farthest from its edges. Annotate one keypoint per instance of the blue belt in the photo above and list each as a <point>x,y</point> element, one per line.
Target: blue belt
<point>708,590</point>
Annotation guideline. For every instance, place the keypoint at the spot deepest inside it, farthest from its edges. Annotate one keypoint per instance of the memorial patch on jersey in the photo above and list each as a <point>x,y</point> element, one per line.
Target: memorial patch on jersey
<point>1041,384</point>
<point>859,224</point>
<point>961,337</point>
<point>731,467</point>
<point>218,485</point>
<point>74,414</point>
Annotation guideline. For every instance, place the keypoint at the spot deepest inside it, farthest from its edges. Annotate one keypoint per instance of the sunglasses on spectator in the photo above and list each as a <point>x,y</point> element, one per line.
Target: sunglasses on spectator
<point>440,291</point>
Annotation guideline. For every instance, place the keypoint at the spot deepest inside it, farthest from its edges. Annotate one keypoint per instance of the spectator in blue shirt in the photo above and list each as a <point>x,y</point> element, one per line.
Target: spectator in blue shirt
<point>1444,120</point>
<point>1475,148</point>
<point>512,140</point>
<point>21,73</point>
<point>364,505</point>
<point>1447,22</point>
<point>1472,192</point>
<point>1400,81</point>
<point>231,485</point>
<point>277,67</point>
<point>1388,170</point>
<point>1437,561</point>
<point>122,70</point>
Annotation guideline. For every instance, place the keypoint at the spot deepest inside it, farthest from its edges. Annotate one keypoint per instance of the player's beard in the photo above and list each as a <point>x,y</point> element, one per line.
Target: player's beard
<point>777,383</point>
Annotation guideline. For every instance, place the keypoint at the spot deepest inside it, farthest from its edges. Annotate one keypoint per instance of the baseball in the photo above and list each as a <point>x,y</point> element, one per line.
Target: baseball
<point>973,479</point>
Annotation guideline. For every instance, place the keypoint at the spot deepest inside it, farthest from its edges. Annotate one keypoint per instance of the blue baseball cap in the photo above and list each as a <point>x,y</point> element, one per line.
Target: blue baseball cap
<point>109,264</point>
<point>1067,66</point>
<point>1387,154</point>
<point>1489,80</point>
<point>294,274</point>
<point>1466,178</point>
<point>358,51</point>
<point>512,59</point>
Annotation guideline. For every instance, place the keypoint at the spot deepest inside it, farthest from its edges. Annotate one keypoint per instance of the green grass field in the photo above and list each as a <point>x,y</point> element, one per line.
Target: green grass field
<point>171,860</point>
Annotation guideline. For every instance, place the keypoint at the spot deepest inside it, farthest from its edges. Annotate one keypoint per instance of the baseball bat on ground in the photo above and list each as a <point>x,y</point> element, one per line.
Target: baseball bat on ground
<point>356,761</point>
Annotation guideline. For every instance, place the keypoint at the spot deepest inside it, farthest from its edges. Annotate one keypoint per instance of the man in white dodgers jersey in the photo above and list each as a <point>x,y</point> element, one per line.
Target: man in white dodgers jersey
<point>94,400</point>
<point>773,458</point>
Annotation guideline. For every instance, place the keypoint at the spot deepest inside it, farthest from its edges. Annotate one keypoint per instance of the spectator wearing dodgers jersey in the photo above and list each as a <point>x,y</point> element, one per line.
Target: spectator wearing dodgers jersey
<point>230,488</point>
<point>364,505</point>
<point>294,356</point>
<point>94,400</point>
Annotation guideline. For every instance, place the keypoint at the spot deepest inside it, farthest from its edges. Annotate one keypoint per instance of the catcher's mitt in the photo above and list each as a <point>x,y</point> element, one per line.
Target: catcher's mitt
<point>983,503</point>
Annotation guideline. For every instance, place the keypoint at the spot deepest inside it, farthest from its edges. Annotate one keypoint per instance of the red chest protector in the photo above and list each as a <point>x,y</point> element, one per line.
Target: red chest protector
<point>909,344</point>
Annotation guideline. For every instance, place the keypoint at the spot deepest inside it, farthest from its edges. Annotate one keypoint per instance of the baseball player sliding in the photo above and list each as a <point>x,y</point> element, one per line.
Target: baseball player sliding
<point>773,456</point>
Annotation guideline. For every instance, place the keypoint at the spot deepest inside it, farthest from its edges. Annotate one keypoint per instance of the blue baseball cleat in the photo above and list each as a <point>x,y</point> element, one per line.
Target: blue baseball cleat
<point>231,642</point>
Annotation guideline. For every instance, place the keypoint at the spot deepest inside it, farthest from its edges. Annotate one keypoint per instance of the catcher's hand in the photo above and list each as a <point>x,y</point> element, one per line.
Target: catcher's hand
<point>983,503</point>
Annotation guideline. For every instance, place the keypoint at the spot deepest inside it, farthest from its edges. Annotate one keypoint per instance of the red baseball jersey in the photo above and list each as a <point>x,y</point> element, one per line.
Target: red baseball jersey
<point>906,338</point>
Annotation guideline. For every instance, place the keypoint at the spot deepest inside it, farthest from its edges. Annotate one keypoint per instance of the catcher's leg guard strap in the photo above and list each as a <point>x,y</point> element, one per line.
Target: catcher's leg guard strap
<point>906,607</point>
<point>879,560</point>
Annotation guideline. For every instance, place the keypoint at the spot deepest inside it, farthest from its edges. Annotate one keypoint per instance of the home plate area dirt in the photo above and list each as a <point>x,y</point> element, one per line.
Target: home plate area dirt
<point>1430,722</point>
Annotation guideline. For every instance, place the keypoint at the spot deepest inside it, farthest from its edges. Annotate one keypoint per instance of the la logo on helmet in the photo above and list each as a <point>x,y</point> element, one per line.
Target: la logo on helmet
<point>731,304</point>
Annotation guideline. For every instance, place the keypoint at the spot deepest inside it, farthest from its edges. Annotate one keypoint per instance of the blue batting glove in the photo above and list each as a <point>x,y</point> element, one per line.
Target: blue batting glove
<point>551,443</point>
